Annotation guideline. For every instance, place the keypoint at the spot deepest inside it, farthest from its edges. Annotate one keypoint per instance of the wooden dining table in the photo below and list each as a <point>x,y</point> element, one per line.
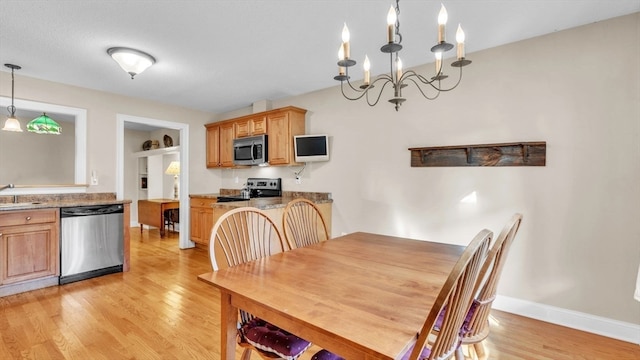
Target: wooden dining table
<point>362,295</point>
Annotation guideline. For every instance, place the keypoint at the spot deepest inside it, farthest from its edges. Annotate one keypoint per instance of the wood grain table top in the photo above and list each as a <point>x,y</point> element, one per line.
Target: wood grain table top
<point>362,296</point>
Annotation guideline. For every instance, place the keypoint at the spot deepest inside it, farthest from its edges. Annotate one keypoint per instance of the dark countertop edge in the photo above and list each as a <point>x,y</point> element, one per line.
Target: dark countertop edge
<point>60,204</point>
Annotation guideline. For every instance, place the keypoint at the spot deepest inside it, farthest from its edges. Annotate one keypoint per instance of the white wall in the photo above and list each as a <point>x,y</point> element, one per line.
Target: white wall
<point>579,244</point>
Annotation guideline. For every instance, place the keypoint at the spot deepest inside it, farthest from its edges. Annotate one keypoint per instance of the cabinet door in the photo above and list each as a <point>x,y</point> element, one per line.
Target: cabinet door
<point>278,138</point>
<point>227,134</point>
<point>196,225</point>
<point>259,125</point>
<point>28,252</point>
<point>207,225</point>
<point>242,128</point>
<point>213,146</point>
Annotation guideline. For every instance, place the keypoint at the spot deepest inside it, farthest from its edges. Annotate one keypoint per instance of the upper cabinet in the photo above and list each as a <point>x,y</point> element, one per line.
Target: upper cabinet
<point>251,126</point>
<point>280,125</point>
<point>220,144</point>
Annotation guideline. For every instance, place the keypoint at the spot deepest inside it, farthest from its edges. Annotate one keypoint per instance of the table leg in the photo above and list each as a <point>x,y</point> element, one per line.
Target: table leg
<point>162,228</point>
<point>141,228</point>
<point>228,323</point>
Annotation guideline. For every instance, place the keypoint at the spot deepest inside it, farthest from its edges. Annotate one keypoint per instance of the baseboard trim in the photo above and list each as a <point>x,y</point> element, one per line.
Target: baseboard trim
<point>577,320</point>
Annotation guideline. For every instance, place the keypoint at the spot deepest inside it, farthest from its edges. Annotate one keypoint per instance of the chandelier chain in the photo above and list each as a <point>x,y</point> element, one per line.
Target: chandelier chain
<point>398,22</point>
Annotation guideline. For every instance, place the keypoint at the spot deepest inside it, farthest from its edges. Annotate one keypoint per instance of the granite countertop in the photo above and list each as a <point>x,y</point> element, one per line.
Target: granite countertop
<point>30,202</point>
<point>264,203</point>
<point>207,196</point>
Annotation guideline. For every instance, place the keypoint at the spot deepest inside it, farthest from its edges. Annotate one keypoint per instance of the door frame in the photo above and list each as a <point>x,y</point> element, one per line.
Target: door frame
<point>184,242</point>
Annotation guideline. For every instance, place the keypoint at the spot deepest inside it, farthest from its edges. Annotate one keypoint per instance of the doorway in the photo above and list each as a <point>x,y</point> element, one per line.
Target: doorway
<point>122,121</point>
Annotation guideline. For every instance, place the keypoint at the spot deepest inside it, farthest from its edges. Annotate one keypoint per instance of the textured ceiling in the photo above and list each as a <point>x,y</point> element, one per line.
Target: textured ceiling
<point>218,56</point>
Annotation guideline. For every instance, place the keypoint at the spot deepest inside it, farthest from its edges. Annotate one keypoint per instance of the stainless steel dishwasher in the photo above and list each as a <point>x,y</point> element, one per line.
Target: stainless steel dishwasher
<point>91,241</point>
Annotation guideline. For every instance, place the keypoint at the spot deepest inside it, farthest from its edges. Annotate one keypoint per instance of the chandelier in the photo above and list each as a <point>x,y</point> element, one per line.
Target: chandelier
<point>396,76</point>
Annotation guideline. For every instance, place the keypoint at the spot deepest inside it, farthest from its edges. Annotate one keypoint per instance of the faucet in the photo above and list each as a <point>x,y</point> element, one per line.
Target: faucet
<point>8,186</point>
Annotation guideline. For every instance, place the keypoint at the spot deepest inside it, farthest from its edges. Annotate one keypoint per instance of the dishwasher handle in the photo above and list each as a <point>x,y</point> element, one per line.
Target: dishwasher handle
<point>91,210</point>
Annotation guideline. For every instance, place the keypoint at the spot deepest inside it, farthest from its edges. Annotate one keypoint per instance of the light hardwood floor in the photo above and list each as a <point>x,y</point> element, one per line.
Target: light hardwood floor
<point>159,310</point>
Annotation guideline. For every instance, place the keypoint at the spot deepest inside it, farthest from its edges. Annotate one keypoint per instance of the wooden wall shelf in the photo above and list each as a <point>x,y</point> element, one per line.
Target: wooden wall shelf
<point>505,154</point>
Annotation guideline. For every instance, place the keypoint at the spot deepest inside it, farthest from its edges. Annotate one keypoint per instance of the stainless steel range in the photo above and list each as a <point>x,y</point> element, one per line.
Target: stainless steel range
<point>257,188</point>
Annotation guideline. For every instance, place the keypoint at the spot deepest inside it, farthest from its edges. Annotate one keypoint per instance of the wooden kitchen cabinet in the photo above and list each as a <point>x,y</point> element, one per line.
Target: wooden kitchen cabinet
<point>201,219</point>
<point>29,245</point>
<point>282,126</point>
<point>251,126</point>
<point>213,145</point>
<point>220,144</point>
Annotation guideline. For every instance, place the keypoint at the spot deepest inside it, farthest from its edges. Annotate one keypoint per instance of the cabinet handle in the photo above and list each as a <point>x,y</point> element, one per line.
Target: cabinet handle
<point>28,218</point>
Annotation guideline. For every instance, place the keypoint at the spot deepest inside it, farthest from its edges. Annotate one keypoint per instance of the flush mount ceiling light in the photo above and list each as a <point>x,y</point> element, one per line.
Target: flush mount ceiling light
<point>396,77</point>
<point>131,60</point>
<point>12,124</point>
<point>43,124</point>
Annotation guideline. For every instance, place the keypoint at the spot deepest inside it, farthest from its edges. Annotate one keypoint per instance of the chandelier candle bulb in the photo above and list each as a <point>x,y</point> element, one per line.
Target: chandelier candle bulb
<point>442,21</point>
<point>345,41</point>
<point>341,70</point>
<point>460,41</point>
<point>367,68</point>
<point>398,70</point>
<point>391,22</point>
<point>438,63</point>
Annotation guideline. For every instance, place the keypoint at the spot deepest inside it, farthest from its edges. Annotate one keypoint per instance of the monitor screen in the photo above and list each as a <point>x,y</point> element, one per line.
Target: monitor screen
<point>309,148</point>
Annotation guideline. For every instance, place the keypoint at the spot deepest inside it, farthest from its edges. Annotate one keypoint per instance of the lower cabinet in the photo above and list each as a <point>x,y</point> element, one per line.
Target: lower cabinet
<point>201,219</point>
<point>29,245</point>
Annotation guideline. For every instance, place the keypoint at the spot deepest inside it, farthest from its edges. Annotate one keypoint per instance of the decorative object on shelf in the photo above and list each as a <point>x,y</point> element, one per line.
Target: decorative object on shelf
<point>397,77</point>
<point>168,141</point>
<point>155,144</point>
<point>131,60</point>
<point>12,124</point>
<point>504,154</point>
<point>143,183</point>
<point>146,145</point>
<point>174,169</point>
<point>43,124</point>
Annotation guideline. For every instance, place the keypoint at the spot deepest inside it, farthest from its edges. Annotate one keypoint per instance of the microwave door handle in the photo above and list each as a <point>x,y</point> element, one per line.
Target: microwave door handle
<point>253,158</point>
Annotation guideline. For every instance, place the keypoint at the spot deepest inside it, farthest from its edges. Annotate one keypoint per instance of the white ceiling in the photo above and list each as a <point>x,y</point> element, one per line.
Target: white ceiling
<point>219,56</point>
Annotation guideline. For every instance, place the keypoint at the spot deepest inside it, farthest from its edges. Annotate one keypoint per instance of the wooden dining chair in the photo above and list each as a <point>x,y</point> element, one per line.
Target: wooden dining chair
<point>303,223</point>
<point>246,234</point>
<point>476,326</point>
<point>449,309</point>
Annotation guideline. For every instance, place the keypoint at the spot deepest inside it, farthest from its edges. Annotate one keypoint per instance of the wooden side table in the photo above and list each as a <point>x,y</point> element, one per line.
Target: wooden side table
<point>151,212</point>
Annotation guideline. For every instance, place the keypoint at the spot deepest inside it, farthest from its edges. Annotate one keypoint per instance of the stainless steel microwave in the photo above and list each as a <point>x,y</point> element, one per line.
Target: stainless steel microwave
<point>250,150</point>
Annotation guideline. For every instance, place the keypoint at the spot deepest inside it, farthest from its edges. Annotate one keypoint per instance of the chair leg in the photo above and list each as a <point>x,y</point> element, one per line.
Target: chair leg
<point>459,354</point>
<point>481,352</point>
<point>246,354</point>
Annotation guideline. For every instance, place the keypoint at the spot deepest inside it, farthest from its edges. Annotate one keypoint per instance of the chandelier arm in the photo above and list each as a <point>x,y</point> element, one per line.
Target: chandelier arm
<point>422,91</point>
<point>379,94</point>
<point>424,80</point>
<point>365,91</point>
<point>457,83</point>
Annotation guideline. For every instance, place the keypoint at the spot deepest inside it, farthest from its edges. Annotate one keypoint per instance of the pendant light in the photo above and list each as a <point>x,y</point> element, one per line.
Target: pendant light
<point>43,124</point>
<point>12,124</point>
